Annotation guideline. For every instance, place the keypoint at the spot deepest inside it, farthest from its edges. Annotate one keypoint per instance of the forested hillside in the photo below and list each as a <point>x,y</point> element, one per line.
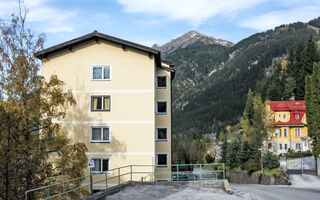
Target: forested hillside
<point>212,81</point>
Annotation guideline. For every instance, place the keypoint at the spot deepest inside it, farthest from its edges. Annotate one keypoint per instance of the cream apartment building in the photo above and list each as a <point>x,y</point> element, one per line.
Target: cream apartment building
<point>123,95</point>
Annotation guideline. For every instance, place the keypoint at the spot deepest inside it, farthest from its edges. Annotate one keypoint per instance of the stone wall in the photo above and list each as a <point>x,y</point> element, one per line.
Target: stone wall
<point>257,178</point>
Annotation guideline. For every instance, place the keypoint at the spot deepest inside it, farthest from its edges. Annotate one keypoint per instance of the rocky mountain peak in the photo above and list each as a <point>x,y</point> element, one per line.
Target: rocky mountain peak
<point>190,38</point>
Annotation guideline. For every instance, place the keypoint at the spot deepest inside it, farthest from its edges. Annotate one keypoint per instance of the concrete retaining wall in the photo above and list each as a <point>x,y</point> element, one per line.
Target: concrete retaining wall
<point>257,178</point>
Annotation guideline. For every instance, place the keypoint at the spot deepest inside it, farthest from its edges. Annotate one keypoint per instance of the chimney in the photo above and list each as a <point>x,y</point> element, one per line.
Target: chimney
<point>292,98</point>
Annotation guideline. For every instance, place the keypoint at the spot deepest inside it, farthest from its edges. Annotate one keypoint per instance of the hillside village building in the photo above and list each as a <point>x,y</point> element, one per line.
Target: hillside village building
<point>123,95</point>
<point>290,130</point>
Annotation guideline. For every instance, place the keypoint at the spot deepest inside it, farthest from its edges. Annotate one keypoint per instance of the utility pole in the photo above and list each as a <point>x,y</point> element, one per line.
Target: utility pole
<point>261,160</point>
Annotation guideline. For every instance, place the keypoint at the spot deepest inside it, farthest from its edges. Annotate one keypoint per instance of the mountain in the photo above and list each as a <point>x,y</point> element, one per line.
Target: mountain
<point>212,81</point>
<point>189,39</point>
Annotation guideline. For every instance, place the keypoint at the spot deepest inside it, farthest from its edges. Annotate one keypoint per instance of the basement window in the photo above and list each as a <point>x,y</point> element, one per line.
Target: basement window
<point>162,160</point>
<point>161,134</point>
<point>101,72</point>
<point>161,107</point>
<point>100,165</point>
<point>100,134</point>
<point>100,103</point>
<point>162,82</point>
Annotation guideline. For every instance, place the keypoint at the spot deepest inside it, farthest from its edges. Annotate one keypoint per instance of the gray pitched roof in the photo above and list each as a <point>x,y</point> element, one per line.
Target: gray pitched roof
<point>97,36</point>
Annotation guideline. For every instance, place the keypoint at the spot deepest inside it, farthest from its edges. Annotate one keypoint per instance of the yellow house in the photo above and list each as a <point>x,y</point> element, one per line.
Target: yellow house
<point>123,95</point>
<point>290,130</point>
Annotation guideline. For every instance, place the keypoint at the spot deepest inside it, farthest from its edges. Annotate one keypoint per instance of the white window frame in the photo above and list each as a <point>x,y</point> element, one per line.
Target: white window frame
<point>101,158</point>
<point>160,101</point>
<point>162,166</point>
<point>103,96</point>
<point>299,131</point>
<point>100,141</point>
<point>162,75</point>
<point>102,79</point>
<point>161,140</point>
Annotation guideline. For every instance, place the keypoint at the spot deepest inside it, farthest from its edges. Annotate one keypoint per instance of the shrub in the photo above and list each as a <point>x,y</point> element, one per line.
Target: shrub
<point>271,161</point>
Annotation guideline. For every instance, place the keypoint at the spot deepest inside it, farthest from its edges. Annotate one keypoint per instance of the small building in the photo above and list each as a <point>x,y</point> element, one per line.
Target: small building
<point>290,131</point>
<point>123,95</point>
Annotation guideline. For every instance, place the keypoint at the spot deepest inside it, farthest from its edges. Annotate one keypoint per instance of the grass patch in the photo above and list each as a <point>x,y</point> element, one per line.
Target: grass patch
<point>270,172</point>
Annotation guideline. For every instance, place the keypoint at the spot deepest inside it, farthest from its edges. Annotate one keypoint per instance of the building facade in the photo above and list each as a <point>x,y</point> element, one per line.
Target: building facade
<point>290,131</point>
<point>123,95</point>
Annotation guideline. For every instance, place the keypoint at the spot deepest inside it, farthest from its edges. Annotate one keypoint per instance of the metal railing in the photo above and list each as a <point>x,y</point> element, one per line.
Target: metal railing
<point>84,186</point>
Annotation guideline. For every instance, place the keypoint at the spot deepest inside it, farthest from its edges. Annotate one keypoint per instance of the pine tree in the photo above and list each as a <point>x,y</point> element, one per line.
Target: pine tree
<point>289,87</point>
<point>310,55</point>
<point>313,107</point>
<point>234,153</point>
<point>247,114</point>
<point>224,152</point>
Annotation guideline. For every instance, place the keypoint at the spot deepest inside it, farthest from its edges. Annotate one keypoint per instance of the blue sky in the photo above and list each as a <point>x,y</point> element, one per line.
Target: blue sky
<point>158,21</point>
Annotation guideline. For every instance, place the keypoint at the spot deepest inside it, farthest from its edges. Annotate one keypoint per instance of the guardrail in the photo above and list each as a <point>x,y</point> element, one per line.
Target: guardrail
<point>83,186</point>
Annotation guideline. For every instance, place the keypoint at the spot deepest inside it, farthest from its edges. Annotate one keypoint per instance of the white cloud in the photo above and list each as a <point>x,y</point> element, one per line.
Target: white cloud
<point>47,19</point>
<point>195,12</point>
<point>279,17</point>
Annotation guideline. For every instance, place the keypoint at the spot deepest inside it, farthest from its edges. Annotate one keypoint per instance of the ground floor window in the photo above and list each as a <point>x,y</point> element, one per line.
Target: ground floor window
<point>298,146</point>
<point>285,146</point>
<point>162,160</point>
<point>100,165</point>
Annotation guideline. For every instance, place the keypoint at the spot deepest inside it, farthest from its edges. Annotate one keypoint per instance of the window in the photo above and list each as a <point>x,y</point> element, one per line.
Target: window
<point>100,134</point>
<point>297,132</point>
<point>101,73</point>
<point>100,165</point>
<point>279,116</point>
<point>285,146</point>
<point>100,103</point>
<point>280,132</point>
<point>280,146</point>
<point>161,134</point>
<point>161,108</point>
<point>298,146</point>
<point>162,160</point>
<point>162,82</point>
<point>297,116</point>
<point>284,116</point>
<point>285,134</point>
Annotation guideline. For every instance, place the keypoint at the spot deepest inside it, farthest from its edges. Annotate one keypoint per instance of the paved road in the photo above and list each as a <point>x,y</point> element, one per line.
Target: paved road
<point>264,192</point>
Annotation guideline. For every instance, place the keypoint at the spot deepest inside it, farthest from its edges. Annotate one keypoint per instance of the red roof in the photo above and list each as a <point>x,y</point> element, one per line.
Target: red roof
<point>294,107</point>
<point>288,105</point>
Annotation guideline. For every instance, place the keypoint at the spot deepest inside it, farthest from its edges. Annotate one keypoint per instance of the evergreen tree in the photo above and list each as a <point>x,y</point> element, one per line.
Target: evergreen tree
<point>289,87</point>
<point>244,154</point>
<point>313,107</point>
<point>234,153</point>
<point>224,152</point>
<point>245,121</point>
<point>310,55</point>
